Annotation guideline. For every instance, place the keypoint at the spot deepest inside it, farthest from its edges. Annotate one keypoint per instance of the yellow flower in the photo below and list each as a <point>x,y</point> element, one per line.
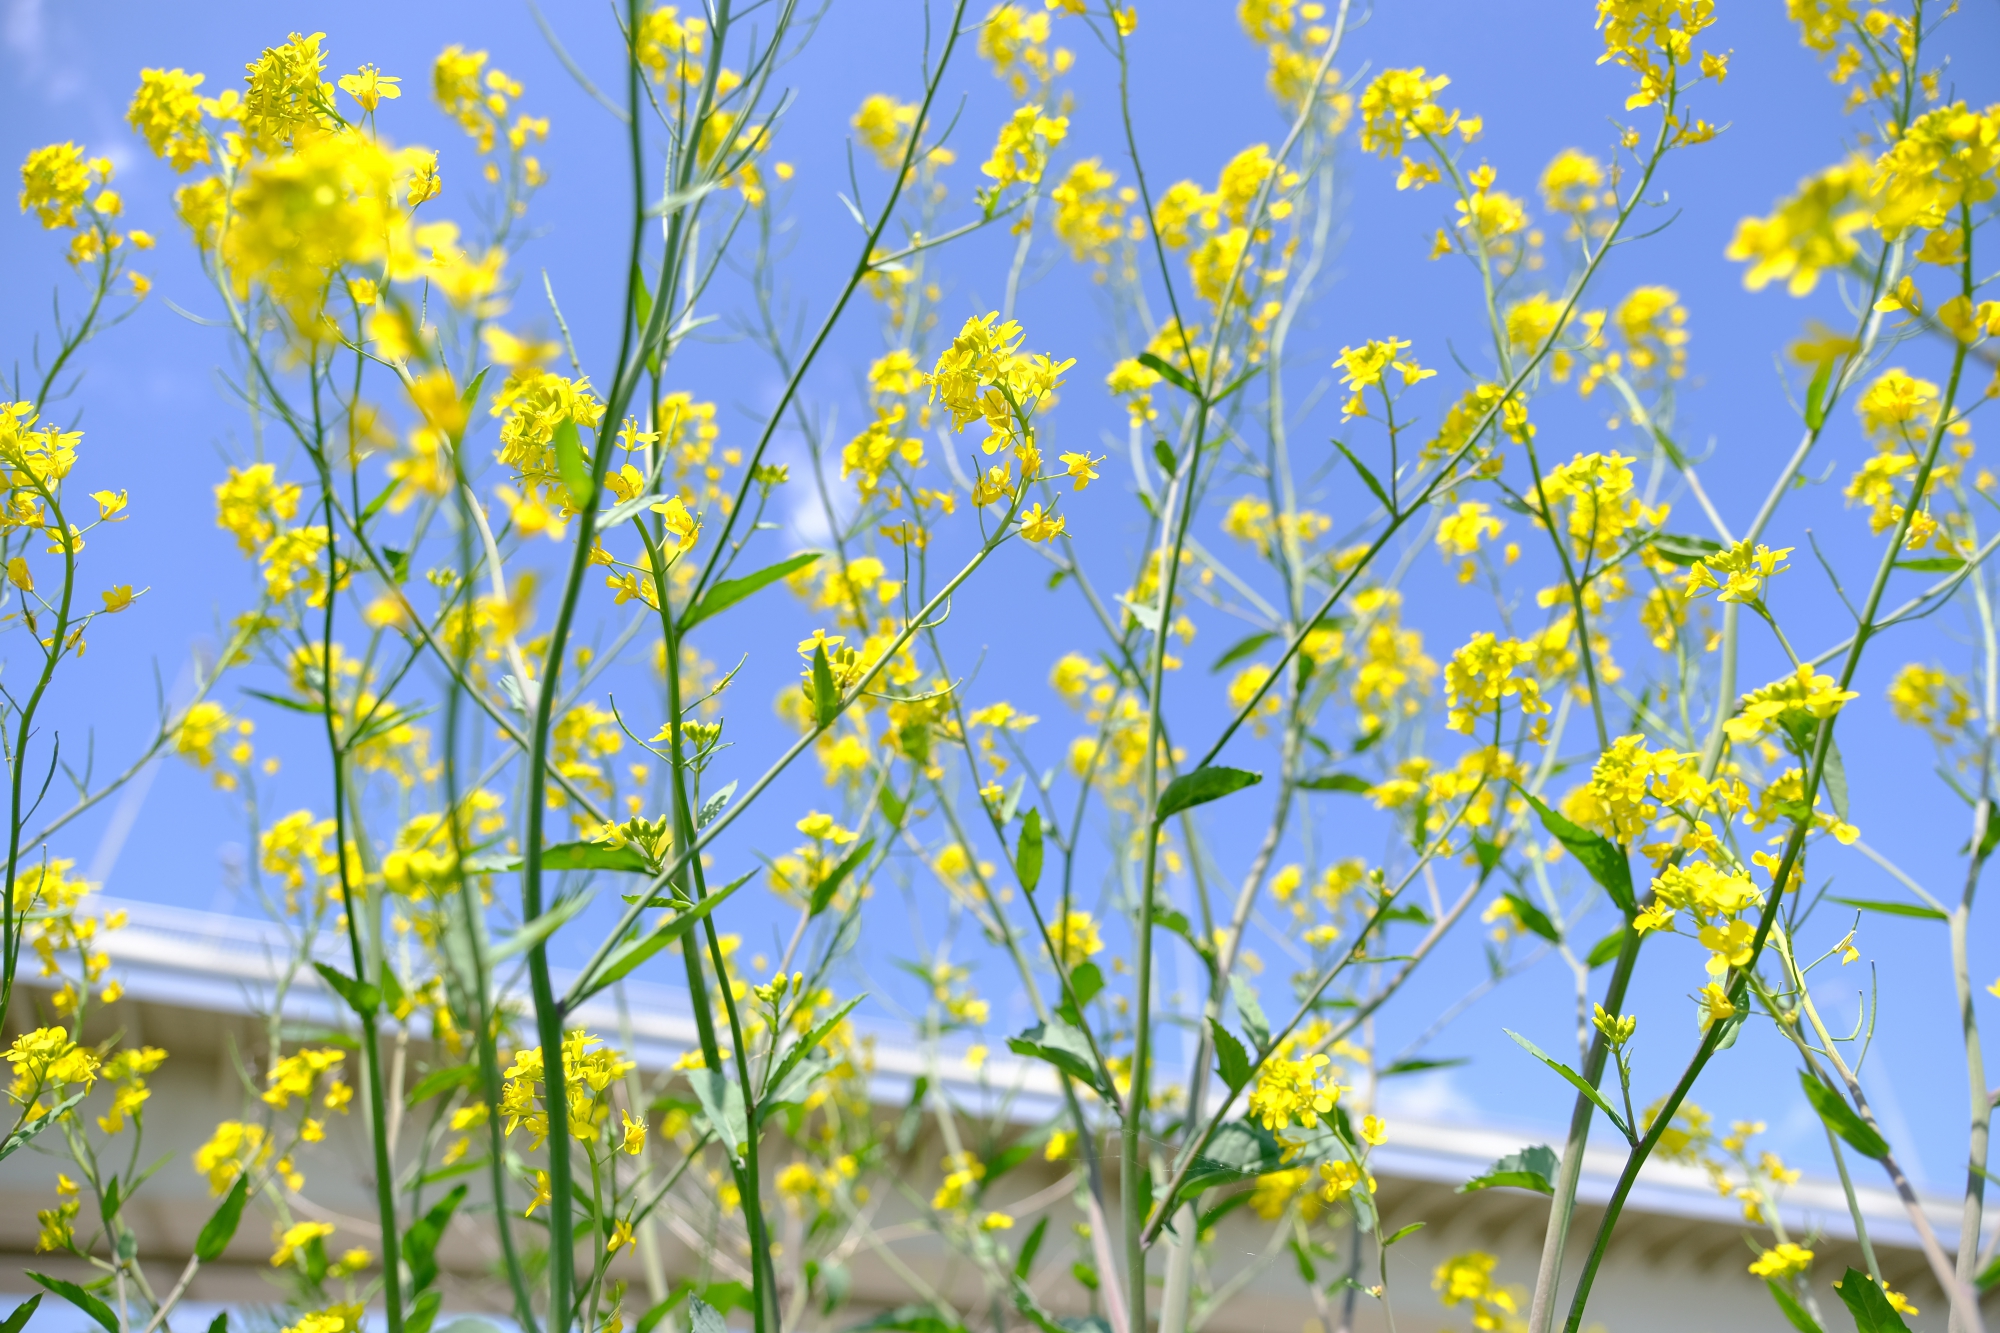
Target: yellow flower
<point>1021,152</point>
<point>166,111</point>
<point>296,1238</point>
<point>1481,674</point>
<point>1745,572</point>
<point>1291,1092</point>
<point>55,180</point>
<point>1802,694</point>
<point>1038,526</point>
<point>371,87</point>
<point>1082,468</point>
<point>1089,216</point>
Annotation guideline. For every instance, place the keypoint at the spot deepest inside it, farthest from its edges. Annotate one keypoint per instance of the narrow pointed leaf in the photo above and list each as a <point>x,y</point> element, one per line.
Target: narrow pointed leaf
<point>1169,372</point>
<point>1816,394</point>
<point>800,1050</point>
<point>1346,782</point>
<point>1842,1119</point>
<point>823,893</point>
<point>1242,648</point>
<point>729,592</point>
<point>1232,1062</point>
<point>1200,787</point>
<point>1865,1301</point>
<point>1595,852</point>
<point>543,926</point>
<point>573,466</point>
<point>25,1311</point>
<point>80,1298</point>
<point>1788,1304</point>
<point>628,956</point>
<point>361,997</point>
<point>1573,1078</point>
<point>1887,908</point>
<point>1533,918</point>
<point>221,1226</point>
<point>1367,476</point>
<point>1529,1169</point>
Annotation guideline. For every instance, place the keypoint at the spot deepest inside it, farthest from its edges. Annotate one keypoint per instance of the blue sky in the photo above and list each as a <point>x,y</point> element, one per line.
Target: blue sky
<point>158,421</point>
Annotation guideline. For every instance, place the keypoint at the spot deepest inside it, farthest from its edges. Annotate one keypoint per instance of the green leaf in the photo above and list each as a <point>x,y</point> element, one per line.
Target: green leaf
<point>462,1167</point>
<point>1789,1306</point>
<point>295,705</point>
<point>629,955</point>
<point>1989,1277</point>
<point>1255,1025</point>
<point>29,1129</point>
<point>443,1079</point>
<point>1835,775</point>
<point>800,1049</point>
<point>25,1311</point>
<point>1172,374</point>
<point>721,1100</point>
<point>1419,1066</point>
<point>1163,453</point>
<point>1675,548</point>
<point>826,698</point>
<point>1888,908</point>
<point>1606,949</point>
<point>1067,1049</point>
<point>220,1324</point>
<point>1669,448</point>
<point>1028,852</point>
<point>573,466</point>
<point>375,505</point>
<point>714,805</point>
<point>1238,1151</point>
<point>423,1311</point>
<point>398,563</point>
<point>1865,1301</point>
<point>220,1228</point>
<point>537,931</point>
<point>703,1317</point>
<point>1936,564</point>
<point>642,307</point>
<point>1816,394</point>
<point>1023,1265</point>
<point>421,1240</point>
<point>906,1319</point>
<point>1231,1060</point>
<point>1367,476</point>
<point>1401,1232</point>
<point>1242,648</point>
<point>1597,854</point>
<point>80,1298</point>
<point>1533,918</point>
<point>1841,1118</point>
<point>1200,787</point>
<point>1573,1078</point>
<point>1239,382</point>
<point>593,856</point>
<point>361,997</point>
<point>1488,855</point>
<point>1529,1169</point>
<point>1337,782</point>
<point>824,891</point>
<point>729,592</point>
<point>1085,981</point>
